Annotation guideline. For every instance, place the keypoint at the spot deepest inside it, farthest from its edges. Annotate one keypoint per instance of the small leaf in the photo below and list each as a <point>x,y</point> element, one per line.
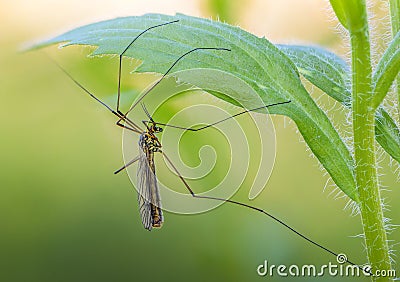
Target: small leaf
<point>388,134</point>
<point>255,61</point>
<point>387,70</point>
<point>339,7</point>
<point>332,75</point>
<point>350,13</point>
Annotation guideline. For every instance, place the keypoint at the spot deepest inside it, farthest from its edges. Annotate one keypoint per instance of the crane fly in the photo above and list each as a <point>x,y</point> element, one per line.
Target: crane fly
<point>148,192</point>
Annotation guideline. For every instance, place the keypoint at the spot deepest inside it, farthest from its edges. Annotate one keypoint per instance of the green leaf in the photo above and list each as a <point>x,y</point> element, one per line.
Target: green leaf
<point>386,71</point>
<point>339,7</point>
<point>387,134</point>
<point>350,13</point>
<point>253,60</point>
<point>332,75</point>
<point>322,68</point>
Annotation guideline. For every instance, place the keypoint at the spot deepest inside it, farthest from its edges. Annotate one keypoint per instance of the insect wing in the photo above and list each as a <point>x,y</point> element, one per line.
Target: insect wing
<point>149,195</point>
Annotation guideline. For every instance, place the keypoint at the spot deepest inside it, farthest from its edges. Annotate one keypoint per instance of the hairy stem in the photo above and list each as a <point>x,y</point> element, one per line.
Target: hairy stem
<point>365,151</point>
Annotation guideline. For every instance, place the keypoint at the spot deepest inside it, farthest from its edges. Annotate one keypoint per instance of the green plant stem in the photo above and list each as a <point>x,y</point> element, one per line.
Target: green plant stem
<point>395,21</point>
<point>395,15</point>
<point>365,151</point>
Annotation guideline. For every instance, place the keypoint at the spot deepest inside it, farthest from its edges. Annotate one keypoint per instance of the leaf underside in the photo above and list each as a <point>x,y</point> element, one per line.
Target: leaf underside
<point>257,62</point>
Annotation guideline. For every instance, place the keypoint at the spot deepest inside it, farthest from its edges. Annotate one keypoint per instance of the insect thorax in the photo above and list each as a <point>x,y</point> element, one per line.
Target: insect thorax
<point>148,141</point>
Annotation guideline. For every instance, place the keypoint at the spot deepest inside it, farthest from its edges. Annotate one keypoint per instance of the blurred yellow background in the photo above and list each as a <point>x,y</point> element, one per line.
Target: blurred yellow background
<point>66,217</point>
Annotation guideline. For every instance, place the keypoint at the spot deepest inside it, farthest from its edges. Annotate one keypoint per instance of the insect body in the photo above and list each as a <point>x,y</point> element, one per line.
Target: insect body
<point>149,194</point>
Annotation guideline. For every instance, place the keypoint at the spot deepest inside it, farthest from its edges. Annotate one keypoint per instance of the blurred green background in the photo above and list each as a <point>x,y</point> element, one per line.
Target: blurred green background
<point>66,217</point>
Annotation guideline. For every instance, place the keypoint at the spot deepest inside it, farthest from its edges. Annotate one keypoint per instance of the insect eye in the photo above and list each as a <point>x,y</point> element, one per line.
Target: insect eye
<point>158,129</point>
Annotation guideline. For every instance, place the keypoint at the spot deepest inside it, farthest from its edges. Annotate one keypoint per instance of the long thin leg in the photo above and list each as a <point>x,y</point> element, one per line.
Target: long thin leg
<point>126,49</point>
<point>253,208</point>
<point>166,73</point>
<point>133,127</point>
<point>217,122</point>
<point>127,164</point>
<point>118,123</point>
